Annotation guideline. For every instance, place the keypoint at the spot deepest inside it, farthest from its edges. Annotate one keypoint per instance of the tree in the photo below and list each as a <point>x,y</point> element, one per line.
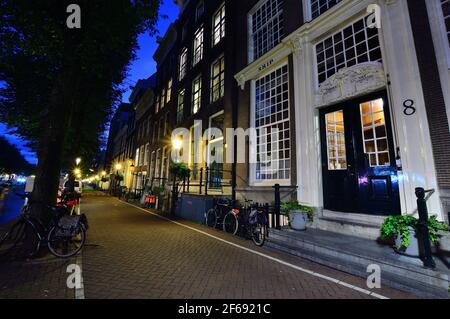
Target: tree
<point>61,83</point>
<point>11,160</point>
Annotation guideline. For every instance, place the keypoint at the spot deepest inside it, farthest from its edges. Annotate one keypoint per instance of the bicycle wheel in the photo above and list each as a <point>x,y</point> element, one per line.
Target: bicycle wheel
<point>211,218</point>
<point>230,223</point>
<point>12,238</point>
<point>64,246</point>
<point>259,232</point>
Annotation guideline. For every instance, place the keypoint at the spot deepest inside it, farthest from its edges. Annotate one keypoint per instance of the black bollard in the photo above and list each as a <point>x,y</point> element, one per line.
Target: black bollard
<point>277,205</point>
<point>427,258</point>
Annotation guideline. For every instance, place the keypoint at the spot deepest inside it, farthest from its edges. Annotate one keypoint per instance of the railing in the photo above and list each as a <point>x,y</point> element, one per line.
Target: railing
<point>203,180</point>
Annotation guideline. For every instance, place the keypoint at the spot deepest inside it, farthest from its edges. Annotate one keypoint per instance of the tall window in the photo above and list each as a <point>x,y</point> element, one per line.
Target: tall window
<point>198,46</point>
<point>141,155</point>
<point>337,157</point>
<point>272,113</point>
<point>320,6</point>
<point>196,94</point>
<point>161,127</point>
<point>166,124</point>
<point>169,91</point>
<point>218,79</point>
<point>183,64</point>
<point>219,25</point>
<point>446,11</point>
<point>158,98</point>
<point>266,27</point>
<point>180,106</point>
<point>163,98</point>
<point>352,45</point>
<point>199,10</point>
<point>165,163</point>
<point>374,132</point>
<point>147,151</point>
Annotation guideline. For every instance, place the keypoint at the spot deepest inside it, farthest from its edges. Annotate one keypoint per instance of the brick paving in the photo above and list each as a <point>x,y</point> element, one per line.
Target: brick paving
<point>133,254</point>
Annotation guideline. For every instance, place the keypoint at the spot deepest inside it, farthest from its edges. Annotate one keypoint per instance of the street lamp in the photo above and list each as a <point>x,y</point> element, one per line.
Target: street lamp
<point>103,173</point>
<point>78,160</point>
<point>177,143</point>
<point>118,167</point>
<point>76,171</point>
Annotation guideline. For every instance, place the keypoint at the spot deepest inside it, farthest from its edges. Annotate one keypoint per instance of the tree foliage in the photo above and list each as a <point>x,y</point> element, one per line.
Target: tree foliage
<point>11,160</point>
<point>61,84</point>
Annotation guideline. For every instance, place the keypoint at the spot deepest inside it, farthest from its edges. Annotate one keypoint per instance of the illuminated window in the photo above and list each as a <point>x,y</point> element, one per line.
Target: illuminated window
<point>218,79</point>
<point>180,106</point>
<point>183,64</point>
<point>219,25</point>
<point>337,158</point>
<point>352,45</point>
<point>272,115</point>
<point>169,91</point>
<point>198,46</point>
<point>374,132</point>
<point>196,94</point>
<point>266,27</point>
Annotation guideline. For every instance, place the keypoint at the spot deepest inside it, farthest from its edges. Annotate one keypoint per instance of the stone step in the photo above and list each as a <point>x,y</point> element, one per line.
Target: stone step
<point>399,272</point>
<point>349,227</point>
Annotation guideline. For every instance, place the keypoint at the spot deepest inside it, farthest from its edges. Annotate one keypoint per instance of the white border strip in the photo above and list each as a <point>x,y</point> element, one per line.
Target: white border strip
<point>79,292</point>
<point>312,273</point>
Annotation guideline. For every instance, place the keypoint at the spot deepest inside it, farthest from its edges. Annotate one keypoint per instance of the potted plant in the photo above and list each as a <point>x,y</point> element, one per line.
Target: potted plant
<point>298,214</point>
<point>404,229</point>
<point>180,170</point>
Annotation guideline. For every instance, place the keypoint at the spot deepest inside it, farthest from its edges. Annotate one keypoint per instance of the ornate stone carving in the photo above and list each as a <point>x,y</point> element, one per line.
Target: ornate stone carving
<point>296,45</point>
<point>351,82</point>
<point>241,79</point>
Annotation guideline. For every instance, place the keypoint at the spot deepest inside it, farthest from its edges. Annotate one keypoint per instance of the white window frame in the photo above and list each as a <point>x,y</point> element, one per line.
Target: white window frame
<point>193,110</point>
<point>181,117</point>
<point>340,30</point>
<point>221,74</point>
<point>183,64</point>
<point>250,44</point>
<point>220,28</point>
<point>217,139</point>
<point>197,53</point>
<point>444,32</point>
<point>147,153</point>
<point>169,91</point>
<point>253,146</point>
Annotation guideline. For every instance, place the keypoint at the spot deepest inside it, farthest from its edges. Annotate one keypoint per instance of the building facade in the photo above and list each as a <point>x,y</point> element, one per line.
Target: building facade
<point>362,110</point>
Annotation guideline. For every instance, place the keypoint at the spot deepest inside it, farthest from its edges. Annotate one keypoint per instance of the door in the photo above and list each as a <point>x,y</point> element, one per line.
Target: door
<point>358,159</point>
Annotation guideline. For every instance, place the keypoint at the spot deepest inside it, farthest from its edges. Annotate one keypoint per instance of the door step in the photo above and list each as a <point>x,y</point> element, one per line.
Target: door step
<point>353,255</point>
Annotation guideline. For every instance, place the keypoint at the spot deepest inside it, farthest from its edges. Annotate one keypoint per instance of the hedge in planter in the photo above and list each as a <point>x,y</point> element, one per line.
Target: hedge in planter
<point>394,226</point>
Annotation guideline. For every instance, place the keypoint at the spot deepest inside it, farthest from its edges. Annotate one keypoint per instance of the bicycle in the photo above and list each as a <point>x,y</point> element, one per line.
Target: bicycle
<point>251,220</point>
<point>215,215</point>
<point>64,235</point>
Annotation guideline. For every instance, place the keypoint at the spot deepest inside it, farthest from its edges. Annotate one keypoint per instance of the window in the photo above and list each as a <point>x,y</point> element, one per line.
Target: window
<point>198,46</point>
<point>163,98</point>
<point>320,6</point>
<point>199,10</point>
<point>266,27</point>
<point>147,150</point>
<point>446,12</point>
<point>155,132</point>
<point>158,163</point>
<point>337,157</point>
<point>374,132</point>
<point>152,165</point>
<point>180,106</point>
<point>183,64</point>
<point>157,103</point>
<point>218,79</point>
<point>272,113</point>
<point>166,124</point>
<point>169,91</point>
<point>161,127</point>
<point>196,94</point>
<point>352,45</point>
<point>219,25</point>
<point>141,155</point>
<point>136,159</point>
<point>165,163</point>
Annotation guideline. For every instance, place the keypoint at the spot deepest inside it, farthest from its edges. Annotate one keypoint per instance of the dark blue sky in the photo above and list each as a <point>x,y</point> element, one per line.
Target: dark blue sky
<point>142,68</point>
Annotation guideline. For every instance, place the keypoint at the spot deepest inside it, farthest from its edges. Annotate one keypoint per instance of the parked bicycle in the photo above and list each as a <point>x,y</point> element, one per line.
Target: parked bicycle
<point>216,214</point>
<point>250,221</point>
<point>64,235</point>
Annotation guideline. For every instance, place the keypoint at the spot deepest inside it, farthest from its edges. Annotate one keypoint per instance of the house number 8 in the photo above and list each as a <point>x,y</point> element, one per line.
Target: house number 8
<point>409,107</point>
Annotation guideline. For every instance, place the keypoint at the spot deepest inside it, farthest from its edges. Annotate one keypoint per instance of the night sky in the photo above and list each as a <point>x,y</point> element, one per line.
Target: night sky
<point>142,68</point>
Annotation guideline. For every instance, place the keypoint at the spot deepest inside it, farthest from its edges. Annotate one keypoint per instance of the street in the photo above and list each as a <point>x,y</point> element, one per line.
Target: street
<point>131,253</point>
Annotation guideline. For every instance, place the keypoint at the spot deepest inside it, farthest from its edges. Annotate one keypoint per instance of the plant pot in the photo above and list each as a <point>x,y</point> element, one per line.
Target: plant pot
<point>413,249</point>
<point>298,220</point>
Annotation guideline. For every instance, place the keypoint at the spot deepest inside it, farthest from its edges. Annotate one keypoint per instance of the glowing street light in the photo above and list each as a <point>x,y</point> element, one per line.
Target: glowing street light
<point>118,166</point>
<point>103,173</point>
<point>77,171</point>
<point>78,160</point>
<point>177,143</point>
